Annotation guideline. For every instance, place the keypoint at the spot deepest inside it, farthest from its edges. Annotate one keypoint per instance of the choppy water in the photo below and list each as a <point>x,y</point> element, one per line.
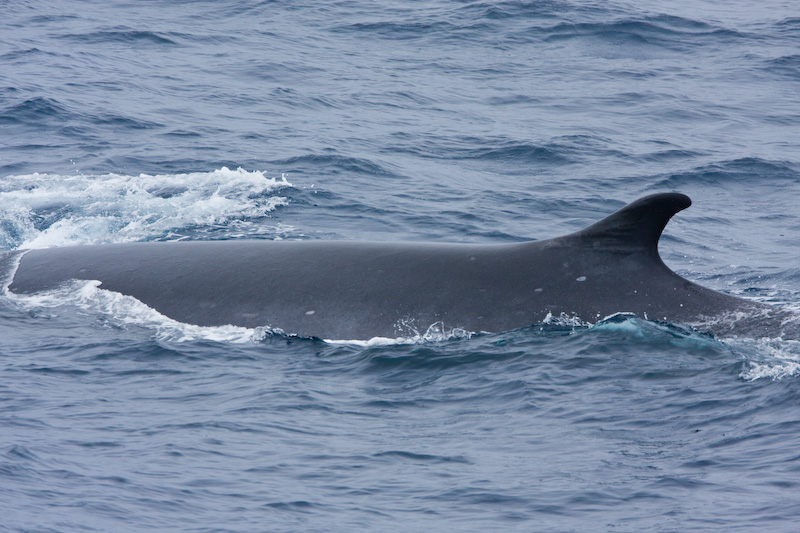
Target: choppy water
<point>447,121</point>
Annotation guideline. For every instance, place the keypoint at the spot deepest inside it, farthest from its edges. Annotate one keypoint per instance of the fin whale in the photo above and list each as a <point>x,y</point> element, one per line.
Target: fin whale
<point>360,290</point>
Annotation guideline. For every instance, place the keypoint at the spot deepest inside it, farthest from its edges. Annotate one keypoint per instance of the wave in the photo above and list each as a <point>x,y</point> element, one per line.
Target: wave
<point>657,28</point>
<point>122,122</point>
<point>36,111</point>
<point>724,173</point>
<point>543,22</point>
<point>522,9</point>
<point>398,30</point>
<point>42,210</point>
<point>122,35</point>
<point>790,25</point>
<point>559,151</point>
<point>24,54</point>
<point>772,359</point>
<point>334,164</point>
<point>786,66</point>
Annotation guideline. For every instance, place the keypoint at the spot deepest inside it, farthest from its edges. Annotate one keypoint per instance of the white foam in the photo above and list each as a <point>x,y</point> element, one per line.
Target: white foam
<point>564,320</point>
<point>9,263</point>
<point>625,322</point>
<point>436,332</point>
<point>44,210</point>
<point>119,310</point>
<point>768,358</point>
<point>774,371</point>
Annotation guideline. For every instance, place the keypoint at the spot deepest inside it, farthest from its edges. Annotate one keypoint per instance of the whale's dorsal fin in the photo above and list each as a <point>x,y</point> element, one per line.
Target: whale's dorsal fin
<point>638,225</point>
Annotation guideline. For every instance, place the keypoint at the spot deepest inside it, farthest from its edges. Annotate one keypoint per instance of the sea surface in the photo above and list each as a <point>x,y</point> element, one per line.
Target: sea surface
<point>448,121</point>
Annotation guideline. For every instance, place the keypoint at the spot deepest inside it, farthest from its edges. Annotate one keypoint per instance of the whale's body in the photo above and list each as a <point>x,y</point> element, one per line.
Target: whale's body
<point>360,290</point>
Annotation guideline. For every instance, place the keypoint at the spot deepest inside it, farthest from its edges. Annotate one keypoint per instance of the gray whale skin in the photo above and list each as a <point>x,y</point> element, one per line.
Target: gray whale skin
<point>360,290</point>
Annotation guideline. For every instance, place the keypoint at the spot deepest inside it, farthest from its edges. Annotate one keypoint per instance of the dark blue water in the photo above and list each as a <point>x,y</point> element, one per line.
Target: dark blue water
<point>430,120</point>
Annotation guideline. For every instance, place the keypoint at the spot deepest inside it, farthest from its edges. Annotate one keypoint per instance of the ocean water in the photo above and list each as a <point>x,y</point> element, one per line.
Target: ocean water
<point>459,121</point>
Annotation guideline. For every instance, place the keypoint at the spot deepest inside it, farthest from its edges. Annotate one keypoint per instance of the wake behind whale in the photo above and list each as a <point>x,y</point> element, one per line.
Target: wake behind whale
<point>361,290</point>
